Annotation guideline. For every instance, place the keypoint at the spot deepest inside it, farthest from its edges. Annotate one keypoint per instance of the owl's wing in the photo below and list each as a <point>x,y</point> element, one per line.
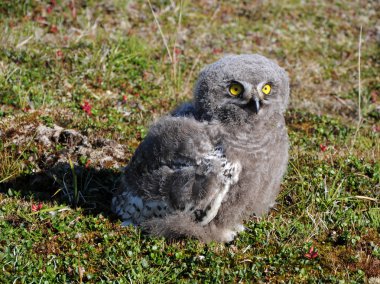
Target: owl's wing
<point>186,110</point>
<point>179,167</point>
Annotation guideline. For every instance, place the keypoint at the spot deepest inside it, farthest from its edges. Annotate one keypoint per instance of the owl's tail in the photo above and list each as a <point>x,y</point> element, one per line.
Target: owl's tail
<point>176,226</point>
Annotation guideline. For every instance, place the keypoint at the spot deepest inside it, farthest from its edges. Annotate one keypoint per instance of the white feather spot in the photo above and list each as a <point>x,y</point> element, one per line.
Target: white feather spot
<point>215,205</point>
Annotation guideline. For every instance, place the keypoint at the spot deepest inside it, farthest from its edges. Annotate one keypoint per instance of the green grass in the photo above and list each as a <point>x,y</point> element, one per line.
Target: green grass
<point>111,55</point>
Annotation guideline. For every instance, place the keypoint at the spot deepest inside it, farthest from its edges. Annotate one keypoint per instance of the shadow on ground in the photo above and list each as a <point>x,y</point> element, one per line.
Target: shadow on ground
<point>57,184</point>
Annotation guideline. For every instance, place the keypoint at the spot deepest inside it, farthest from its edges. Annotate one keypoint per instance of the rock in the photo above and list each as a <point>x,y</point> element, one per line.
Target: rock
<point>72,138</point>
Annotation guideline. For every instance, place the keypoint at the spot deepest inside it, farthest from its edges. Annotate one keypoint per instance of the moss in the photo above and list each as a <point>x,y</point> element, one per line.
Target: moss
<point>111,55</point>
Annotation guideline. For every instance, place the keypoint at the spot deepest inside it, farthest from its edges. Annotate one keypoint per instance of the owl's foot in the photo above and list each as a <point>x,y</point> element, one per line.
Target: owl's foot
<point>225,235</point>
<point>239,228</point>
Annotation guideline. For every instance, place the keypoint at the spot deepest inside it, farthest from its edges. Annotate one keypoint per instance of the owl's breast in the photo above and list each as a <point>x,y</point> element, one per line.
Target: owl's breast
<point>263,156</point>
<point>262,152</point>
<point>263,142</point>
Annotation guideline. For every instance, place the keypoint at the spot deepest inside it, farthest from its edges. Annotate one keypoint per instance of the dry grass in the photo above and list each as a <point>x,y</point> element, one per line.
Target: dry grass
<point>134,61</point>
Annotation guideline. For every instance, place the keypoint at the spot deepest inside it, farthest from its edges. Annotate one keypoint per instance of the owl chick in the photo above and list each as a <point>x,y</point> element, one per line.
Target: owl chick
<point>214,161</point>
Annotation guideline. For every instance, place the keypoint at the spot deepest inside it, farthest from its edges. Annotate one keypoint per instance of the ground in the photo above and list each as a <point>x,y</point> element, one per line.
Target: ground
<point>80,82</point>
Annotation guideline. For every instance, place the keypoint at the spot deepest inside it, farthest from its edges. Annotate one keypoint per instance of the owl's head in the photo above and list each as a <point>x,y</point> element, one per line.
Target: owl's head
<point>238,88</point>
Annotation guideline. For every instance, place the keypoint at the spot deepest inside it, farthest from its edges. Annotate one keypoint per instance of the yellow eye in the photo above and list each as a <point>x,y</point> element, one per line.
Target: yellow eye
<point>266,89</point>
<point>236,89</point>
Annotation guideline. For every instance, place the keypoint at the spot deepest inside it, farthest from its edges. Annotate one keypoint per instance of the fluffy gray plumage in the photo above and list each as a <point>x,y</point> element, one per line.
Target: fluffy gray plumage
<point>214,161</point>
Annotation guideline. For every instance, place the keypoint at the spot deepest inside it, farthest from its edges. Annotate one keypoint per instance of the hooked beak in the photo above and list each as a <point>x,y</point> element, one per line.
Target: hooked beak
<point>256,104</point>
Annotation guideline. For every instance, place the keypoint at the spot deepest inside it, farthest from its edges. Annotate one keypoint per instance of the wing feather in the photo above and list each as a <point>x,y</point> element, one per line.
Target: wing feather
<point>180,165</point>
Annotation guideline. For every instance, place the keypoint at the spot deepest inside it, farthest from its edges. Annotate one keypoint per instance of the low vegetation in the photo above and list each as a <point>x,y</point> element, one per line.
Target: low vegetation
<point>80,81</point>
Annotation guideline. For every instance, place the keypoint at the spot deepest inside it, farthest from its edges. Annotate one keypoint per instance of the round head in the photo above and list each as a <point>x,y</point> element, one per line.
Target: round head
<point>240,87</point>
